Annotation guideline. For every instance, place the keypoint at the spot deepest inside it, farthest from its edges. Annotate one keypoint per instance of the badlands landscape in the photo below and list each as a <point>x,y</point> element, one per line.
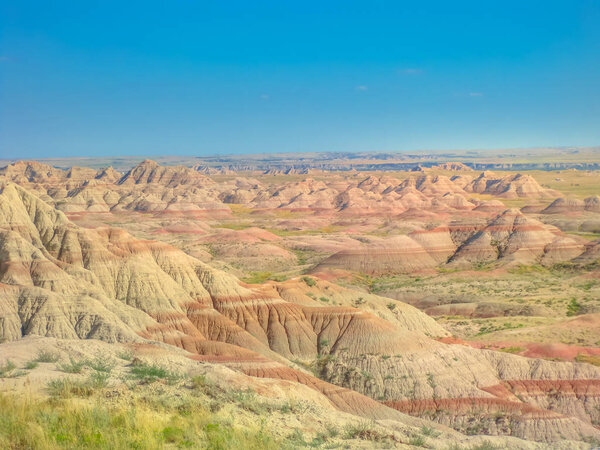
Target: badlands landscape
<point>347,301</point>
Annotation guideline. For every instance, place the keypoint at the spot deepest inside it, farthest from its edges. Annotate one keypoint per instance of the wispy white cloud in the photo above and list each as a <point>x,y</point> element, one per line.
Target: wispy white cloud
<point>362,88</point>
<point>410,71</point>
<point>475,94</point>
<point>264,96</point>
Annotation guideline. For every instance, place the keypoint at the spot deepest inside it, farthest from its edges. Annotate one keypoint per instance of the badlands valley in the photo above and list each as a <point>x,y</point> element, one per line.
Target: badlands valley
<point>426,301</point>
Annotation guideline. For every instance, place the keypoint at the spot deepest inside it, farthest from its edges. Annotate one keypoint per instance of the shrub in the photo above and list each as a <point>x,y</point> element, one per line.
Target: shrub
<point>7,367</point>
<point>309,281</point>
<point>73,366</point>
<point>102,363</point>
<point>149,373</point>
<point>573,307</point>
<point>45,356</point>
<point>98,380</point>
<point>31,364</point>
<point>417,440</point>
<point>365,431</point>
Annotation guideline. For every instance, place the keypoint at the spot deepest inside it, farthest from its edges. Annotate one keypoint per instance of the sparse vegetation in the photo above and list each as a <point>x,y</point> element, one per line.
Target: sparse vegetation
<point>364,430</point>
<point>357,302</point>
<point>70,387</point>
<point>126,355</point>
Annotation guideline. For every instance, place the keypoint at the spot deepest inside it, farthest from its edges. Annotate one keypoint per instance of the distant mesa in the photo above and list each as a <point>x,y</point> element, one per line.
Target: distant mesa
<point>453,166</point>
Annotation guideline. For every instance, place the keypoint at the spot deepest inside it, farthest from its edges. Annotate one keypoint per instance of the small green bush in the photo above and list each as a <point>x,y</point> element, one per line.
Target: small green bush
<point>309,281</point>
<point>45,356</point>
<point>72,366</point>
<point>31,365</point>
<point>573,307</point>
<point>7,367</point>
<point>102,363</point>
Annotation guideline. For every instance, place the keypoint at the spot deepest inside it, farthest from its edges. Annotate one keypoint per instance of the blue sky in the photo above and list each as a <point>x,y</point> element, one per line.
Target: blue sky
<point>206,77</point>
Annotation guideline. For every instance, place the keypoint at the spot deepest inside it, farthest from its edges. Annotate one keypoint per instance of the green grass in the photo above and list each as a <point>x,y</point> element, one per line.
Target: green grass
<point>149,373</point>
<point>523,269</point>
<point>260,277</point>
<point>69,387</point>
<point>590,359</point>
<point>92,422</point>
<point>512,349</point>
<point>235,226</point>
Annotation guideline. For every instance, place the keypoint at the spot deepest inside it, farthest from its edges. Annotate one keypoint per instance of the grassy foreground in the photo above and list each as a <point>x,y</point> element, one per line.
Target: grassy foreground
<point>27,422</point>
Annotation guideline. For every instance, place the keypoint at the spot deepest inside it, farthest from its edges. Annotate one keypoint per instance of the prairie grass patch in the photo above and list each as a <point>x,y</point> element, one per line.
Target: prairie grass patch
<point>590,359</point>
<point>65,423</point>
<point>512,349</point>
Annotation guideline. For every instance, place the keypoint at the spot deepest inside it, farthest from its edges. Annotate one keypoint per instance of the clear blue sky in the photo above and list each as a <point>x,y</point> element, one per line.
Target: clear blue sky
<point>205,77</point>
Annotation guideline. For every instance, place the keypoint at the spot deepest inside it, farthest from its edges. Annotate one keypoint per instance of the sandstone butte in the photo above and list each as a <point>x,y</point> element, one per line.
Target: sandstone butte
<point>62,281</point>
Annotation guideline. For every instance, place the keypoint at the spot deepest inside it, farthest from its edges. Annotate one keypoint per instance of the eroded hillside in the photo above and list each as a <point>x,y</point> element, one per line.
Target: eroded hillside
<point>310,282</point>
